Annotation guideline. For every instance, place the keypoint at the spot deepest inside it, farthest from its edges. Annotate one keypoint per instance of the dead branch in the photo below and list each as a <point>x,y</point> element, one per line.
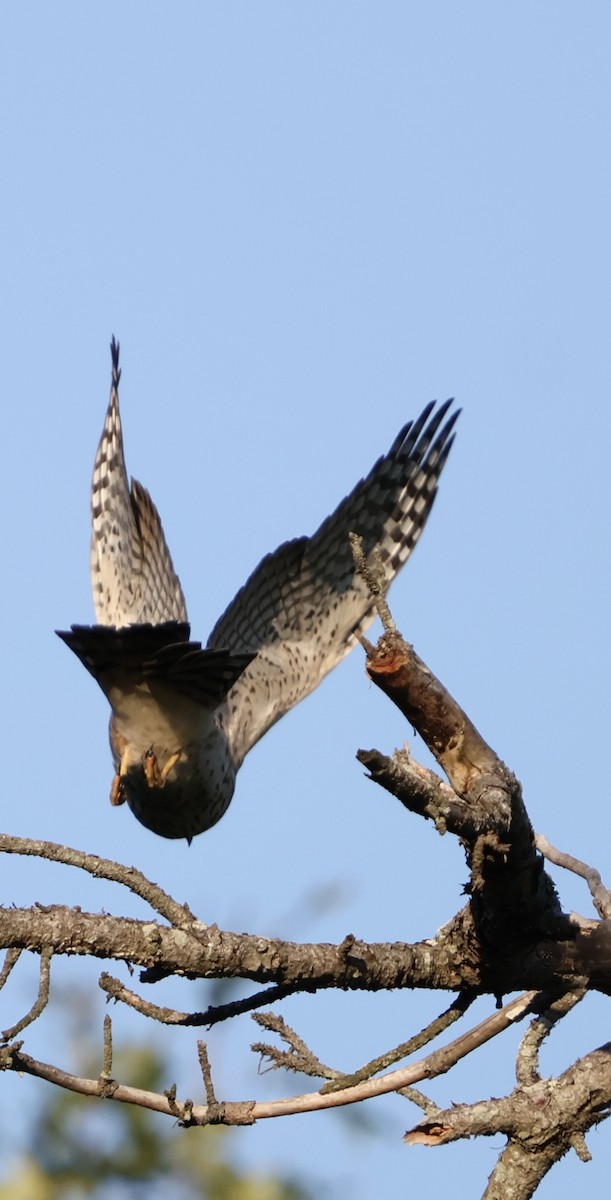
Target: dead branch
<point>512,934</point>
<point>41,1000</point>
<point>600,894</point>
<point>12,1058</point>
<point>527,1061</point>
<point>179,915</point>
<point>542,1121</point>
<point>298,1057</point>
<point>417,1042</point>
<point>235,1008</point>
<point>11,959</point>
<point>353,965</point>
<point>514,904</point>
<point>106,1072</point>
<point>375,577</point>
<point>213,1015</point>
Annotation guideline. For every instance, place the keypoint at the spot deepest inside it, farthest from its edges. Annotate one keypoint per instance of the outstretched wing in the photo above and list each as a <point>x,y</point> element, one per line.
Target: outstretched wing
<point>132,575</point>
<point>303,605</point>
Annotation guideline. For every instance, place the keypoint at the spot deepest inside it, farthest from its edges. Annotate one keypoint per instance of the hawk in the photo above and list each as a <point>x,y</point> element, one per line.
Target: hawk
<point>183,716</point>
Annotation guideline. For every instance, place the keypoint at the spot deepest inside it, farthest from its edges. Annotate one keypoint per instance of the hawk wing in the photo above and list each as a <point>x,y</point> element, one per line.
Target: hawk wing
<point>303,605</point>
<point>132,575</point>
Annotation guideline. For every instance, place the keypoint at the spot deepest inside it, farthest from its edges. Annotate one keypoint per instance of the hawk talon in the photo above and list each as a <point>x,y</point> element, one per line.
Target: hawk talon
<point>117,791</point>
<point>152,774</point>
<point>155,776</point>
<point>173,759</point>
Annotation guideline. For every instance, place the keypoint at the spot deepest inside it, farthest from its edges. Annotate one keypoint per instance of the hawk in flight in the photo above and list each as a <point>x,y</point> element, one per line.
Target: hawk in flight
<point>183,717</point>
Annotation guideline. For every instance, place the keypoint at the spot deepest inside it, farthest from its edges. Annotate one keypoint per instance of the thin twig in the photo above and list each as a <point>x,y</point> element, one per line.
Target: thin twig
<point>375,578</point>
<point>106,1084</point>
<point>578,1142</point>
<point>298,1057</point>
<point>204,1062</point>
<point>246,1112</point>
<point>107,1063</point>
<point>271,995</point>
<point>12,957</point>
<point>428,1106</point>
<point>116,990</point>
<point>426,1035</point>
<point>527,1060</point>
<point>41,1000</point>
<point>179,915</point>
<point>600,894</point>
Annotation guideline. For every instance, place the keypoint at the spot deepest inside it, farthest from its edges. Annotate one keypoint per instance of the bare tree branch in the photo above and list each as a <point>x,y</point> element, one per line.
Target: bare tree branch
<point>600,894</point>
<point>298,1057</point>
<point>11,959</point>
<point>178,915</point>
<point>375,577</point>
<point>542,1121</point>
<point>41,1000</point>
<point>245,1112</point>
<point>213,1015</point>
<point>417,1042</point>
<point>511,935</point>
<point>527,1062</point>
<point>353,964</point>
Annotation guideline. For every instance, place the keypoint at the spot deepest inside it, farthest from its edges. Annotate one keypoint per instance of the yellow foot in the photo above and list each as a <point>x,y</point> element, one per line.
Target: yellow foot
<point>152,774</point>
<point>155,777</point>
<point>117,790</point>
<point>173,759</point>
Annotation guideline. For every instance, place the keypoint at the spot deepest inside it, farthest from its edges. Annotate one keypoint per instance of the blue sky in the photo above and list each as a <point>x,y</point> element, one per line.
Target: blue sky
<point>303,222</point>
